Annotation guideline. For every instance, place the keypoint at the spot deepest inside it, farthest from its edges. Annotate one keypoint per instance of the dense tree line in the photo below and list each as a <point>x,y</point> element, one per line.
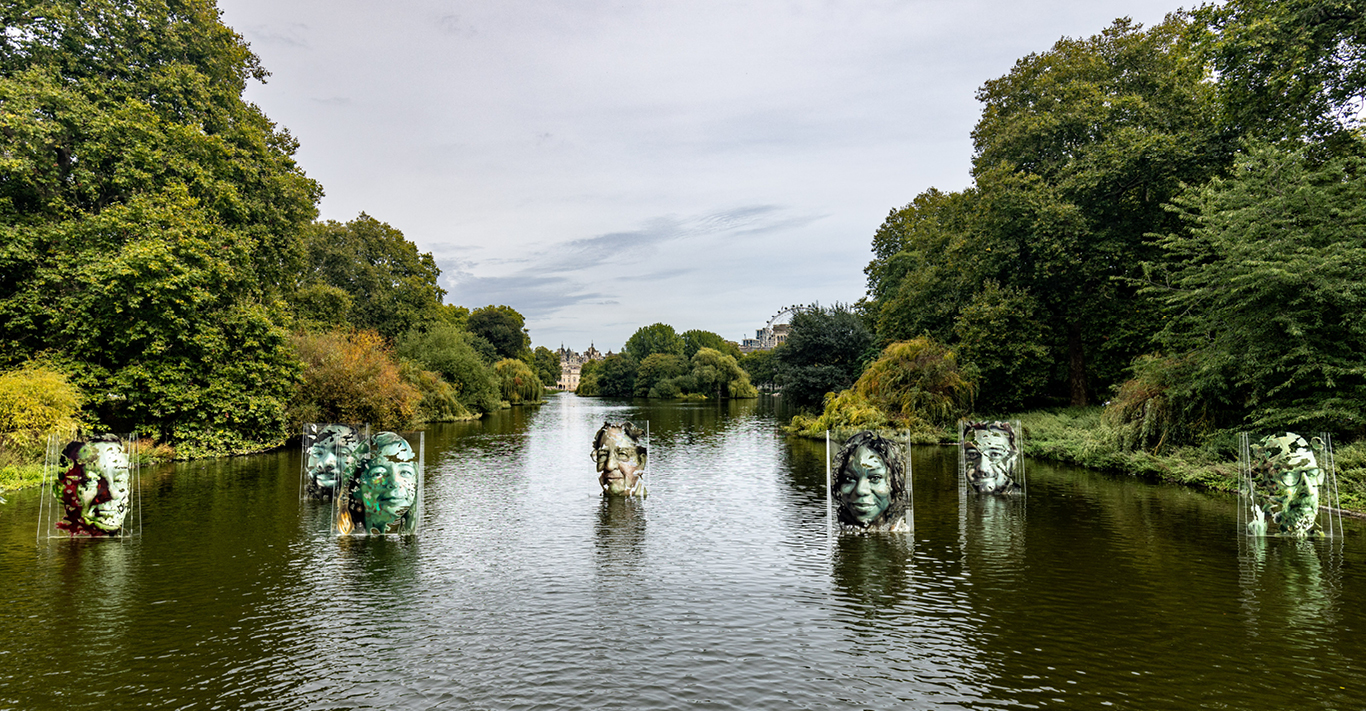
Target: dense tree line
<point>158,245</point>
<point>1167,218</point>
<point>658,362</point>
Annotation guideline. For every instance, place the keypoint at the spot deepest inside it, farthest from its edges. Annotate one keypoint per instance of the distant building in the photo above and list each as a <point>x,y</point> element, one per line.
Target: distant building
<point>571,365</point>
<point>766,338</point>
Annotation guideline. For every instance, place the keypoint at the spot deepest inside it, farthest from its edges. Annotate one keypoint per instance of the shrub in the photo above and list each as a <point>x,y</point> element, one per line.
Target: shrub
<point>518,382</point>
<point>35,400</point>
<point>352,377</point>
<point>454,354</point>
<point>440,401</point>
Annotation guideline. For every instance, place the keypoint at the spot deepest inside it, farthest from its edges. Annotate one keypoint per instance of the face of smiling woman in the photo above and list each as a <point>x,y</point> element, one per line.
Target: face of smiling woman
<point>865,489</point>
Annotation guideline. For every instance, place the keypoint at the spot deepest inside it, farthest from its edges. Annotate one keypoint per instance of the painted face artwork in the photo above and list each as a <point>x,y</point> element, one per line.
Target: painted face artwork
<point>990,457</point>
<point>1285,487</point>
<point>620,459</point>
<point>868,485</point>
<point>865,489</point>
<point>330,458</point>
<point>94,491</point>
<point>386,484</point>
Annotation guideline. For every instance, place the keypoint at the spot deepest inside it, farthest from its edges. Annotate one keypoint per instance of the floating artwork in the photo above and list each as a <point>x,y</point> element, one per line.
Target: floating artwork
<point>870,484</point>
<point>329,458</point>
<point>94,485</point>
<point>383,494</point>
<point>1285,480</point>
<point>620,451</point>
<point>989,457</point>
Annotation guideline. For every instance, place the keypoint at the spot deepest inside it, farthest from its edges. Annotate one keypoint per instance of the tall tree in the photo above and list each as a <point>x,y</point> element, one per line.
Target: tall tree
<point>825,352</point>
<point>652,339</point>
<point>148,217</point>
<point>503,327</point>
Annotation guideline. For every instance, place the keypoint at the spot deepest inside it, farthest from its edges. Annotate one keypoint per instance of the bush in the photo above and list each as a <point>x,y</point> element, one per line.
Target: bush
<point>352,377</point>
<point>35,400</point>
<point>518,383</point>
<point>440,401</point>
<point>453,353</point>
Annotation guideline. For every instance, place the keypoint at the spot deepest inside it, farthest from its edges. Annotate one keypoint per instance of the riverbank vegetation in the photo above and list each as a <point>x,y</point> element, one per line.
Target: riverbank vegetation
<point>160,252</point>
<point>658,362</point>
<point>1167,220</point>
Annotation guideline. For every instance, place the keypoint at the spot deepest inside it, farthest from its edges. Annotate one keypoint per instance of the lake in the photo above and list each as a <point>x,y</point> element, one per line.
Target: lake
<point>722,590</point>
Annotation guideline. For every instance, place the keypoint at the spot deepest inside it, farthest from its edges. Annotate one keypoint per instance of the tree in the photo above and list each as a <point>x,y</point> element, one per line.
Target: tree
<point>503,327</point>
<point>716,374</point>
<point>547,365</point>
<point>696,340</point>
<point>762,367</point>
<point>616,376</point>
<point>652,339</point>
<point>447,350</point>
<point>371,274</point>
<point>824,352</point>
<point>655,368</point>
<point>519,383</point>
<point>352,377</point>
<point>1263,294</point>
<point>148,218</point>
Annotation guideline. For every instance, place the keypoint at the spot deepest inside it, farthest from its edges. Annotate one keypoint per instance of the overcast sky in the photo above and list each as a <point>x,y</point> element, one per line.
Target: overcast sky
<point>601,166</point>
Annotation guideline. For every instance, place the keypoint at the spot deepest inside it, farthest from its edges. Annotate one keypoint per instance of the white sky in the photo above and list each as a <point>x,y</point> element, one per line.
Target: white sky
<point>601,166</point>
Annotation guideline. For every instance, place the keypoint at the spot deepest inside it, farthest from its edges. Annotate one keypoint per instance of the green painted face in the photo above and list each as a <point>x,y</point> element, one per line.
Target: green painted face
<point>388,484</point>
<point>331,458</point>
<point>107,461</point>
<point>865,489</point>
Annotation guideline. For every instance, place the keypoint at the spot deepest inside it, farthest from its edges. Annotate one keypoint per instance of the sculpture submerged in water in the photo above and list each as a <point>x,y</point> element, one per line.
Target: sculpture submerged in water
<point>620,459</point>
<point>990,454</point>
<point>330,458</point>
<point>94,490</point>
<point>1284,477</point>
<point>381,497</point>
<point>869,484</point>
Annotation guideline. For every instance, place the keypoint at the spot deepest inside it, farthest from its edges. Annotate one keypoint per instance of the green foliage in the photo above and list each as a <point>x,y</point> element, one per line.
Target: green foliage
<point>696,340</point>
<point>1154,410</point>
<point>588,385</point>
<point>762,367</point>
<point>615,377</point>
<point>148,217</point>
<point>352,377</point>
<point>518,383</point>
<point>547,365</point>
<point>919,379</point>
<point>440,400</point>
<point>503,327</point>
<point>1263,293</point>
<point>717,374</point>
<point>451,352</point>
<point>1289,69</point>
<point>35,400</point>
<point>1001,334</point>
<point>655,368</point>
<point>389,286</point>
<point>824,352</point>
<point>655,338</point>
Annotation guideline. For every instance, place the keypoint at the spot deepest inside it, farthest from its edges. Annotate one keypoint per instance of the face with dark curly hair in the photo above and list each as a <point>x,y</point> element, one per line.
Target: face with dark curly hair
<point>868,484</point>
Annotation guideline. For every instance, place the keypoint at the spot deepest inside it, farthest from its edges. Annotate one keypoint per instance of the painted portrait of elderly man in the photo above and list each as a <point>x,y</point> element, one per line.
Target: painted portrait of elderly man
<point>620,454</point>
<point>869,485</point>
<point>990,457</point>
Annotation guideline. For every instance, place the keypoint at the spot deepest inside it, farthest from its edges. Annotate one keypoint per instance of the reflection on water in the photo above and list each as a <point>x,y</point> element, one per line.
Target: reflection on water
<point>526,589</point>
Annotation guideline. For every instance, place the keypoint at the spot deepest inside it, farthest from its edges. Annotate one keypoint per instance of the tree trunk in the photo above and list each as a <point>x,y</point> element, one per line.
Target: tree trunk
<point>1076,365</point>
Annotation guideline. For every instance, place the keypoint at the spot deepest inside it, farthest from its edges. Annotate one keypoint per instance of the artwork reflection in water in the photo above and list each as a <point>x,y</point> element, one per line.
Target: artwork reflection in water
<point>94,485</point>
<point>1286,479</point>
<point>870,485</point>
<point>330,456</point>
<point>990,457</point>
<point>374,481</point>
<point>620,452</point>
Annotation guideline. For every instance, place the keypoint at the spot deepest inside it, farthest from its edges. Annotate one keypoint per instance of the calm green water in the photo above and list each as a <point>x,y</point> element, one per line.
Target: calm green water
<point>527,591</point>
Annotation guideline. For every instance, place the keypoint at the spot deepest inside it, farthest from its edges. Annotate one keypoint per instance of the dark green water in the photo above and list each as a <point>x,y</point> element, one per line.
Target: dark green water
<point>722,591</point>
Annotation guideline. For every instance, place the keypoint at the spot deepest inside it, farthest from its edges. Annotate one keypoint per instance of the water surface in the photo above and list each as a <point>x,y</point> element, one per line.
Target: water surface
<point>526,590</point>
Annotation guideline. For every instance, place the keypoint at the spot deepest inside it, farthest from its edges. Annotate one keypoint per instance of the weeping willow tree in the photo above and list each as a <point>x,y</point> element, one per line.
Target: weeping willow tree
<point>518,381</point>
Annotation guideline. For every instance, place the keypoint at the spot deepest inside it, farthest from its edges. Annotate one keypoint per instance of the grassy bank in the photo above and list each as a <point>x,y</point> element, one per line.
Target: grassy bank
<point>1078,436</point>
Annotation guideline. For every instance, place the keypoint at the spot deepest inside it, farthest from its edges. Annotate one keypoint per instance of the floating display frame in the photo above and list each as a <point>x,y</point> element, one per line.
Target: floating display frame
<point>384,495</point>
<point>91,487</point>
<point>1288,487</point>
<point>991,458</point>
<point>328,457</point>
<point>603,457</point>
<point>854,470</point>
